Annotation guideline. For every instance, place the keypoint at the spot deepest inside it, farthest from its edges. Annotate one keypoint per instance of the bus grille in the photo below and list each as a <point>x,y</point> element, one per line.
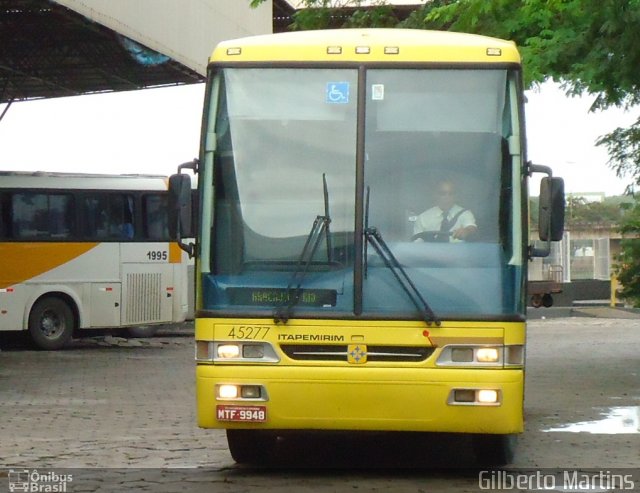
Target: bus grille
<point>143,298</point>
<point>333,352</point>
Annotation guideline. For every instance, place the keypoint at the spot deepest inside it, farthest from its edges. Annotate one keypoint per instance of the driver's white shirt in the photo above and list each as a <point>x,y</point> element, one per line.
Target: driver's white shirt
<point>431,219</point>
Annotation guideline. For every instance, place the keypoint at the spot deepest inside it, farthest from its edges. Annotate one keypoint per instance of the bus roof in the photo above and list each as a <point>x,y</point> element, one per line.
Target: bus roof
<point>80,181</point>
<point>368,45</point>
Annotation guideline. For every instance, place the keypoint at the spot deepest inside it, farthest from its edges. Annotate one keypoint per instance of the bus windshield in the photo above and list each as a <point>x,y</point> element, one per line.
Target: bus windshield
<point>420,154</point>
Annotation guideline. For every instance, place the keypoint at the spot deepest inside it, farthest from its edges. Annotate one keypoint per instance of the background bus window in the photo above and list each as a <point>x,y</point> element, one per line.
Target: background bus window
<point>4,216</point>
<point>155,220</point>
<point>38,215</point>
<point>109,217</point>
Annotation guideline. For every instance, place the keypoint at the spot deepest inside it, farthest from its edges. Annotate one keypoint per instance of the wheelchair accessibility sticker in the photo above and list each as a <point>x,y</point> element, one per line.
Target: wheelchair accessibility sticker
<point>337,92</point>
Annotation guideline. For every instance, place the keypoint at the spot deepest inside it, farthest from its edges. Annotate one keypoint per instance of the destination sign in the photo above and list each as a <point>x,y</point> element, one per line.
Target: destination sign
<point>281,296</point>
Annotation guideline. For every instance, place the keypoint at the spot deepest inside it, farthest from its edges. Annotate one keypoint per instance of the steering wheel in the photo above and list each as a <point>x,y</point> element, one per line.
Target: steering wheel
<point>432,236</point>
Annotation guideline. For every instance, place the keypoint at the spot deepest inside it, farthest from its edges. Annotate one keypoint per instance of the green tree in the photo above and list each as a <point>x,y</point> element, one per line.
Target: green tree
<point>580,212</point>
<point>628,266</point>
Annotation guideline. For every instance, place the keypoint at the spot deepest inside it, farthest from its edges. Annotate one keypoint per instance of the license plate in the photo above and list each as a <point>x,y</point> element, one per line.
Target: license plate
<point>245,414</point>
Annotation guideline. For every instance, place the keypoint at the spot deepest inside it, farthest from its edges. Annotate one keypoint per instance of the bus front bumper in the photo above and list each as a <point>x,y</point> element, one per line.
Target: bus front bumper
<point>384,399</point>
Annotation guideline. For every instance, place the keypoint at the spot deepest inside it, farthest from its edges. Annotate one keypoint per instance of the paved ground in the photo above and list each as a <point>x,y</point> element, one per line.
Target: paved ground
<point>123,411</point>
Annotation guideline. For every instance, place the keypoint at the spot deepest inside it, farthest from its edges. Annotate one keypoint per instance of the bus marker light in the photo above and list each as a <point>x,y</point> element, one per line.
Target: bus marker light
<point>204,351</point>
<point>494,52</point>
<point>363,50</point>
<point>334,50</point>
<point>234,51</point>
<point>227,351</point>
<point>515,355</point>
<point>391,50</point>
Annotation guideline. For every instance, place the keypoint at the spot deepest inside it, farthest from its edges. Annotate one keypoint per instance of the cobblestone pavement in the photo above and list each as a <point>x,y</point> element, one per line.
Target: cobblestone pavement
<point>123,412</point>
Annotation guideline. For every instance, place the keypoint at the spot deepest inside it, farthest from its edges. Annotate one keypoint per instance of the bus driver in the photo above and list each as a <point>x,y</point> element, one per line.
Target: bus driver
<point>446,221</point>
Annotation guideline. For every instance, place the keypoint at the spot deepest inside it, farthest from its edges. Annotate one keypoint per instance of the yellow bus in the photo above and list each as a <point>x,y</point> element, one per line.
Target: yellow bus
<point>87,251</point>
<point>326,299</point>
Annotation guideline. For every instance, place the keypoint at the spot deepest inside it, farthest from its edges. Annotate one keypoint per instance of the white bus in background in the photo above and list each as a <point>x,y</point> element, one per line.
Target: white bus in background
<point>84,251</point>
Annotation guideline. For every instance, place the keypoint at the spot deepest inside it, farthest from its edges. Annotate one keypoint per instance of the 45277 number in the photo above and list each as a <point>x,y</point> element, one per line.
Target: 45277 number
<point>248,332</point>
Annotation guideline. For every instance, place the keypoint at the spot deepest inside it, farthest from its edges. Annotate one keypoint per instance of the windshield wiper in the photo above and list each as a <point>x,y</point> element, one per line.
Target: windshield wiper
<point>320,226</point>
<point>374,237</point>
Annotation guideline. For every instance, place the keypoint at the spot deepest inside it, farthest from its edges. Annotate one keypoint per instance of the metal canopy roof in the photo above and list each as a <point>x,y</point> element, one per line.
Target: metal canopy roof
<point>50,51</point>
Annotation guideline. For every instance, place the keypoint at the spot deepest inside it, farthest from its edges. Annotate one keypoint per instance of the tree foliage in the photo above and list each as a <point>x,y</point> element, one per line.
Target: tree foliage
<point>628,266</point>
<point>580,212</point>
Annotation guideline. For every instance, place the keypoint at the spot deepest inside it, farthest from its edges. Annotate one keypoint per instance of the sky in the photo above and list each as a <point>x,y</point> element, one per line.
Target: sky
<point>154,130</point>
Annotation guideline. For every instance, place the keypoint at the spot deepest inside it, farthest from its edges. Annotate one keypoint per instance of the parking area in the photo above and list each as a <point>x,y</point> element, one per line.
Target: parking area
<point>127,407</point>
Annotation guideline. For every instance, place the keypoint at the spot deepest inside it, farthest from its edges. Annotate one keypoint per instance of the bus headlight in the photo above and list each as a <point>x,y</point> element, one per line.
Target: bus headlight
<point>487,396</point>
<point>480,356</point>
<point>250,392</point>
<point>487,355</point>
<point>228,391</point>
<point>474,397</point>
<point>235,352</point>
<point>228,351</point>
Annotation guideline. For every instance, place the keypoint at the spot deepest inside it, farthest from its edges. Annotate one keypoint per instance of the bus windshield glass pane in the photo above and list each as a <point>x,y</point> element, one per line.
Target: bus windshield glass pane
<point>439,176</point>
<point>284,158</point>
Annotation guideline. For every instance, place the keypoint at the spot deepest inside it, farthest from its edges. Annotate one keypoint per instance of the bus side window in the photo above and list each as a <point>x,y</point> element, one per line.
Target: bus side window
<point>4,216</point>
<point>120,217</point>
<point>109,217</point>
<point>61,215</point>
<point>95,217</point>
<point>39,215</point>
<point>154,213</point>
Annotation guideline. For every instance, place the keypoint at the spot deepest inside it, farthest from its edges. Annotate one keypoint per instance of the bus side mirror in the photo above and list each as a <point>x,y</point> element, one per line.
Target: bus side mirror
<point>180,215</point>
<point>551,215</point>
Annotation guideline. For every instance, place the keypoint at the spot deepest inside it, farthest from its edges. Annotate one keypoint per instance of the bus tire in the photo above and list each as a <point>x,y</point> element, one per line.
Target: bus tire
<point>141,331</point>
<point>494,450</point>
<point>51,323</point>
<point>536,300</point>
<point>250,446</point>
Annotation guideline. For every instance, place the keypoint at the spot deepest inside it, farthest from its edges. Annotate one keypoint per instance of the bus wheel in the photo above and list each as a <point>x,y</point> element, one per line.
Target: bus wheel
<point>547,300</point>
<point>51,323</point>
<point>494,450</point>
<point>536,300</point>
<point>250,446</point>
